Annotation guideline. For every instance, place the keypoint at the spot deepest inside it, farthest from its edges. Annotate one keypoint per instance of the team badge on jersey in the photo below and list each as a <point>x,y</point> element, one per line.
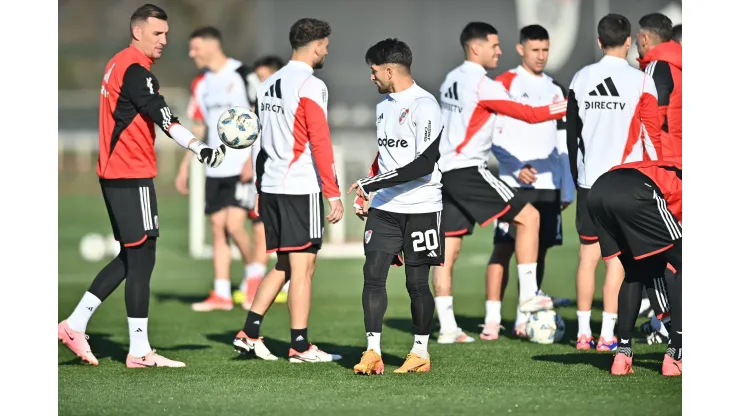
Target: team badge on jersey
<point>404,113</point>
<point>368,234</point>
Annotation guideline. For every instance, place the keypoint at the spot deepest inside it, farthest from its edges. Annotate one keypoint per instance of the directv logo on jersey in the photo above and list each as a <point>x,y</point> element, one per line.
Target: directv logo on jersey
<point>609,105</point>
<point>450,107</point>
<point>271,107</point>
<point>386,142</point>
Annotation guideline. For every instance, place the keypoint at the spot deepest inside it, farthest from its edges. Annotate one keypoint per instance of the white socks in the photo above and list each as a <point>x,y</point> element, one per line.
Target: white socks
<point>222,287</point>
<point>286,286</point>
<point>527,281</point>
<point>445,314</point>
<point>255,270</point>
<point>584,323</point>
<point>138,337</point>
<point>521,318</point>
<point>420,346</point>
<point>493,311</point>
<point>83,312</point>
<point>607,325</point>
<point>373,341</point>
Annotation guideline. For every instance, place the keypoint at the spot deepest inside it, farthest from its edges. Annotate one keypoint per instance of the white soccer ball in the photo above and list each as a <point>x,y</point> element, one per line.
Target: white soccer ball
<point>93,247</point>
<point>238,127</point>
<point>545,327</point>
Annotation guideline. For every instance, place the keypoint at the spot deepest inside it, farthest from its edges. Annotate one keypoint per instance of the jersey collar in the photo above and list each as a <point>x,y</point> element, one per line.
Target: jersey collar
<point>302,65</point>
<point>149,61</point>
<point>398,96</point>
<point>472,66</point>
<point>614,60</point>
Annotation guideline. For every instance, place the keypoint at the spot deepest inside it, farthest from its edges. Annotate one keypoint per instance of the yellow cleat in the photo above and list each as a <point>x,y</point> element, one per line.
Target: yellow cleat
<point>415,364</point>
<point>282,297</point>
<point>370,364</point>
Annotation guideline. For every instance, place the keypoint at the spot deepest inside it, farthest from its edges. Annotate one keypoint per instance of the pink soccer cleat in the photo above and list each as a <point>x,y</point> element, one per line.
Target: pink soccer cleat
<point>604,346</point>
<point>76,342</point>
<point>622,365</point>
<point>585,342</point>
<point>671,367</point>
<point>214,302</point>
<point>151,360</point>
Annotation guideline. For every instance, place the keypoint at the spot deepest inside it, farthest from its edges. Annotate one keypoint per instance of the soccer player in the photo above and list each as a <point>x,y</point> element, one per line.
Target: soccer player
<point>533,159</point>
<point>661,58</point>
<point>264,67</point>
<point>130,106</point>
<point>471,194</point>
<point>612,119</point>
<point>405,214</point>
<point>294,163</point>
<point>678,34</point>
<point>225,82</point>
<point>637,210</point>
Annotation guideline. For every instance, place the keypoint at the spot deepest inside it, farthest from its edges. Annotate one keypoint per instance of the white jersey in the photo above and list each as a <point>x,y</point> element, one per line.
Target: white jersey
<point>517,143</point>
<point>405,176</point>
<point>469,101</point>
<point>612,116</point>
<point>295,142</point>
<point>212,94</point>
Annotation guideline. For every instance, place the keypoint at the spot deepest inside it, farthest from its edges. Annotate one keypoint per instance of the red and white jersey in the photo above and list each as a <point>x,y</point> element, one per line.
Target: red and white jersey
<point>469,101</point>
<point>612,118</point>
<point>295,141</point>
<point>517,143</point>
<point>212,94</point>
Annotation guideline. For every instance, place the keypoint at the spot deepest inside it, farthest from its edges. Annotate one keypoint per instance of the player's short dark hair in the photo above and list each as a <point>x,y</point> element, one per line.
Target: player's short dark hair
<point>677,33</point>
<point>146,11</point>
<point>208,32</point>
<point>307,30</point>
<point>270,61</point>
<point>476,30</point>
<point>533,32</point>
<point>613,30</point>
<point>389,51</point>
<point>657,24</point>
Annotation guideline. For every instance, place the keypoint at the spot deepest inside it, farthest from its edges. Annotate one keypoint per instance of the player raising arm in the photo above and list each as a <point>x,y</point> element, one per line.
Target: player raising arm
<point>406,210</point>
<point>471,194</point>
<point>294,163</point>
<point>130,106</point>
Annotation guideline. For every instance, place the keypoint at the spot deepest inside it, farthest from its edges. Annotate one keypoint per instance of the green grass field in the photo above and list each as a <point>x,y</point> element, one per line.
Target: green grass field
<point>506,376</point>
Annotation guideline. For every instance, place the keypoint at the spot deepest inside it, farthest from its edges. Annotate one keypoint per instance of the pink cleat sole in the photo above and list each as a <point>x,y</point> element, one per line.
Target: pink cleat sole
<point>76,342</point>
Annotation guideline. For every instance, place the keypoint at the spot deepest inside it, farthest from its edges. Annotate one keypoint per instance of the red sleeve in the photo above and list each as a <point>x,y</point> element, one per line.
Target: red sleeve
<point>359,202</point>
<point>650,117</point>
<point>321,147</point>
<point>492,96</point>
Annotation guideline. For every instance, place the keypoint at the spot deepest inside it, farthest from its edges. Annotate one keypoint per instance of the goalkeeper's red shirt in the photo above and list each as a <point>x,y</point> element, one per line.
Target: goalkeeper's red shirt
<point>130,106</point>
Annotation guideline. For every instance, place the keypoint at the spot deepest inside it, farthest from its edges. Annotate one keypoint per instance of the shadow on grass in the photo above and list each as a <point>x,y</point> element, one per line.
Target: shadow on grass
<point>350,354</point>
<point>103,347</point>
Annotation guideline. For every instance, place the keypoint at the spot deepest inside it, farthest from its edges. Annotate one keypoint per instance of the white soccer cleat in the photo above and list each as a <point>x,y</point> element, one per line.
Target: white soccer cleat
<point>454,337</point>
<point>245,346</point>
<point>537,303</point>
<point>312,355</point>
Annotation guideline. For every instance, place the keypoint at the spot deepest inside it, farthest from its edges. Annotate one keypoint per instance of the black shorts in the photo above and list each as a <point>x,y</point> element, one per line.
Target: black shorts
<point>547,202</point>
<point>631,215</point>
<point>584,226</point>
<point>417,236</point>
<point>132,209</point>
<point>293,223</point>
<point>230,192</point>
<point>474,195</point>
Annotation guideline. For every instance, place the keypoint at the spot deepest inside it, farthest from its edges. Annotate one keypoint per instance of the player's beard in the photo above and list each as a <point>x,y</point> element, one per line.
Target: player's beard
<point>320,64</point>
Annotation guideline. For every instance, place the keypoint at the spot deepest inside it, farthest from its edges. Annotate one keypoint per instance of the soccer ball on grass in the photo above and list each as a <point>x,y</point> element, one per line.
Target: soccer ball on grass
<point>545,327</point>
<point>238,127</point>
